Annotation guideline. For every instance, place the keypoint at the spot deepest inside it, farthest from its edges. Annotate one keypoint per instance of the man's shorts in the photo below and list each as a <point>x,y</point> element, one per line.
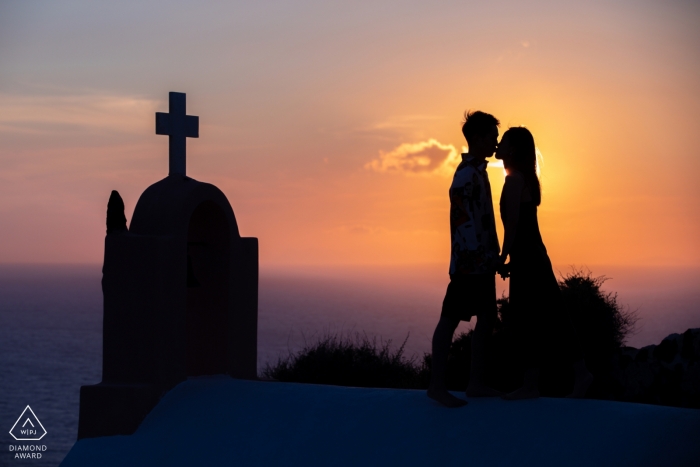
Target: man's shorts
<point>470,295</point>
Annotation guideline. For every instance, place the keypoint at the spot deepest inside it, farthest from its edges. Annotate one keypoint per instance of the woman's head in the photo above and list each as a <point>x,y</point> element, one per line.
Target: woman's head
<point>517,149</point>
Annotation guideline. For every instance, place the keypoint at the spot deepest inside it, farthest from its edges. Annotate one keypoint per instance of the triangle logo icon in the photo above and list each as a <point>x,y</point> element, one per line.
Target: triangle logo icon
<point>28,427</point>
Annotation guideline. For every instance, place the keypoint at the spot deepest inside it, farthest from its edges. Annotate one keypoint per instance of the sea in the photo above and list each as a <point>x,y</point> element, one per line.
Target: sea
<point>51,325</point>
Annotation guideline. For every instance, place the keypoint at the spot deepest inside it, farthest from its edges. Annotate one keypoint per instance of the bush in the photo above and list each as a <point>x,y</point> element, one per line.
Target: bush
<point>597,315</point>
<point>601,323</point>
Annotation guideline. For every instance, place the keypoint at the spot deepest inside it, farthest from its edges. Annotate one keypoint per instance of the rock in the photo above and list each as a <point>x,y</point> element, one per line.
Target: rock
<point>643,354</point>
<point>627,355</point>
<point>690,383</point>
<point>690,348</point>
<point>667,349</point>
<point>116,220</point>
<point>667,374</point>
<point>637,379</point>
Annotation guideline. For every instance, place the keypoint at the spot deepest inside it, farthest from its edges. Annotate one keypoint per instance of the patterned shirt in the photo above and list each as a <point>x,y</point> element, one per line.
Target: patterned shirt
<point>475,246</point>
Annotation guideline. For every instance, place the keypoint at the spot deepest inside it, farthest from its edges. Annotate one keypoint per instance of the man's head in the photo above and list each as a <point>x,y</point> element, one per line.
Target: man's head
<point>481,132</point>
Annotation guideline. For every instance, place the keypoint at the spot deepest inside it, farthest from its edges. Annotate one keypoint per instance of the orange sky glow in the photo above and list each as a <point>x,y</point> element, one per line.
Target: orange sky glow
<point>334,129</point>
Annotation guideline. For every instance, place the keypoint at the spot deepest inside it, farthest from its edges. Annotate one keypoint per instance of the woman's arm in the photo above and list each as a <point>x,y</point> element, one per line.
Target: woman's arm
<point>510,208</point>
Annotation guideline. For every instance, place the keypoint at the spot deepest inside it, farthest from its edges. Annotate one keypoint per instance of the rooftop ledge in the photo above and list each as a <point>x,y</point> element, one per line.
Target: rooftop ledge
<point>218,420</point>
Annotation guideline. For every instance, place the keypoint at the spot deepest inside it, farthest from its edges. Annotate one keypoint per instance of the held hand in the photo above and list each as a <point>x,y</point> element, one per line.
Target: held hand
<point>502,268</point>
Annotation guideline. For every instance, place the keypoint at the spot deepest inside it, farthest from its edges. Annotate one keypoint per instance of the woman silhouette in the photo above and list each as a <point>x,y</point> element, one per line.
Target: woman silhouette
<point>535,297</point>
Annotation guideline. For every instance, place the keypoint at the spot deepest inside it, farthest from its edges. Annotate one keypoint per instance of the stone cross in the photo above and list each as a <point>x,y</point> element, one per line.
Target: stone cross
<point>178,125</point>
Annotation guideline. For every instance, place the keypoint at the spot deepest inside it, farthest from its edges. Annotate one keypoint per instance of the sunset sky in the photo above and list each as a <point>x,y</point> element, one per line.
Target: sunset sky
<point>334,128</point>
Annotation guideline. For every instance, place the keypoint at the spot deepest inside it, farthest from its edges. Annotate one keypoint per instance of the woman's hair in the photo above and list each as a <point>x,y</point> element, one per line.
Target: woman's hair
<point>524,158</point>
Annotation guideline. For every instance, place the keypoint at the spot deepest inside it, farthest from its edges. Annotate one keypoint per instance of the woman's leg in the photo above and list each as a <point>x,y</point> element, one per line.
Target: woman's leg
<point>529,389</point>
<point>530,350</point>
<point>530,334</point>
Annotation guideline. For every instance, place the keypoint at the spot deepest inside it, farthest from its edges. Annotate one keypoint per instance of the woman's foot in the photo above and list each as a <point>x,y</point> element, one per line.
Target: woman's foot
<point>480,390</point>
<point>445,398</point>
<point>523,393</point>
<point>581,386</point>
<point>529,389</point>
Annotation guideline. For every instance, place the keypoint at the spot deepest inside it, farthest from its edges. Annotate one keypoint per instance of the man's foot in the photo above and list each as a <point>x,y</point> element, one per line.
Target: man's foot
<point>478,390</point>
<point>522,393</point>
<point>581,386</point>
<point>445,398</point>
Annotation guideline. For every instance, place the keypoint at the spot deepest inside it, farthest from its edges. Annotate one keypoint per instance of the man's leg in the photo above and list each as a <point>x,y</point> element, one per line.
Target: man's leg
<point>480,341</point>
<point>442,338</point>
<point>485,299</point>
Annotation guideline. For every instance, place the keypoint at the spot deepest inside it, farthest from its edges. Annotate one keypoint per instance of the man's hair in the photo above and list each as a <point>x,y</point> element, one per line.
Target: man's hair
<point>477,124</point>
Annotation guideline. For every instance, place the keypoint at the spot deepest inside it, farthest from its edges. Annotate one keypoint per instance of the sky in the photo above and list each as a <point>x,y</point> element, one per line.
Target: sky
<point>334,127</point>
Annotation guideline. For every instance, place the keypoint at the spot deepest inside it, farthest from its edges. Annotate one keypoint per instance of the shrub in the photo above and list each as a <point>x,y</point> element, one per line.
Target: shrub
<point>351,360</point>
<point>596,314</point>
<point>601,322</point>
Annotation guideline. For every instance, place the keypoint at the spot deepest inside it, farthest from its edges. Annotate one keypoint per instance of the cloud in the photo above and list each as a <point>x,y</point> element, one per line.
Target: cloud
<point>429,157</point>
<point>57,114</point>
<point>404,122</point>
<point>362,229</point>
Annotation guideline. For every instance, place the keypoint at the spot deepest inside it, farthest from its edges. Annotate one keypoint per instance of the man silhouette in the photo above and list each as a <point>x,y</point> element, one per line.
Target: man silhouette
<point>473,261</point>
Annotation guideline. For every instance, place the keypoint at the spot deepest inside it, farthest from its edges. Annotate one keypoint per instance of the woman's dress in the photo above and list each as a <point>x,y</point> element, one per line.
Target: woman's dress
<point>535,298</point>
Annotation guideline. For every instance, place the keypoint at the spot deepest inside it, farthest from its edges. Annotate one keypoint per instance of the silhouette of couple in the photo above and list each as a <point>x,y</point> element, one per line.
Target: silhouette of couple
<point>476,257</point>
